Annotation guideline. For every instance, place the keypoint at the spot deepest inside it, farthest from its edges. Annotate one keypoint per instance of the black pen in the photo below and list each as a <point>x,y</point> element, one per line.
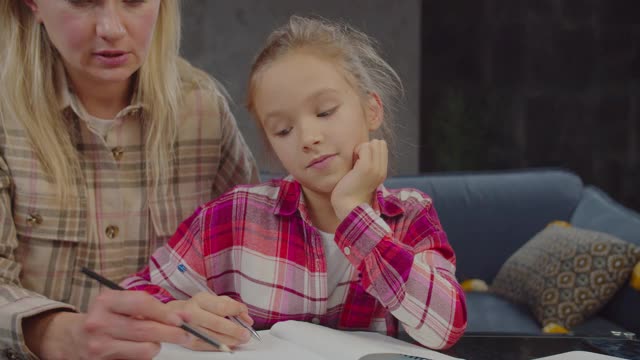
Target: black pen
<point>186,327</point>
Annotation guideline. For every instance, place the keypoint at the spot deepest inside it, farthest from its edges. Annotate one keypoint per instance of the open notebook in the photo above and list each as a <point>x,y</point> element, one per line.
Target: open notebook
<point>580,355</point>
<point>297,340</point>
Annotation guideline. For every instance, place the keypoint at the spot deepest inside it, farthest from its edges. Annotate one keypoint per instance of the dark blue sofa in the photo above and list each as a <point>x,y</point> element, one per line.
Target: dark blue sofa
<point>488,216</point>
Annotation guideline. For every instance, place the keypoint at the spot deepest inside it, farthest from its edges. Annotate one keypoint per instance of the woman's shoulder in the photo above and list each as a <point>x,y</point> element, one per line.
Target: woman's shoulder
<point>197,82</point>
<point>204,102</point>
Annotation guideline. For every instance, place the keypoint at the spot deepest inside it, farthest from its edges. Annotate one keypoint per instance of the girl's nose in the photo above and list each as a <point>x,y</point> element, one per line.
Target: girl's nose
<point>109,23</point>
<point>310,137</point>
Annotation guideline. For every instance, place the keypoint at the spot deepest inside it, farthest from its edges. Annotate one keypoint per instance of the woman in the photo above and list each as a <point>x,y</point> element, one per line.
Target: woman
<point>109,139</point>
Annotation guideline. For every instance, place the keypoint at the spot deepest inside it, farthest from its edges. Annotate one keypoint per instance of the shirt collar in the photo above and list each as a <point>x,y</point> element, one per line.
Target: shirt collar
<point>290,200</point>
<point>68,100</point>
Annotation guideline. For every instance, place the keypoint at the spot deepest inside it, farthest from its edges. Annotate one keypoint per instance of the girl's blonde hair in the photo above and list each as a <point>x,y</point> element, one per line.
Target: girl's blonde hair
<point>353,51</point>
<point>28,93</point>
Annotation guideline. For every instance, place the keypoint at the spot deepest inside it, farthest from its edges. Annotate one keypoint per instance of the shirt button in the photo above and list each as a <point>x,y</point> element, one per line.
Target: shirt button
<point>111,231</point>
<point>12,355</point>
<point>34,219</point>
<point>117,152</point>
<point>347,250</point>
<point>315,320</point>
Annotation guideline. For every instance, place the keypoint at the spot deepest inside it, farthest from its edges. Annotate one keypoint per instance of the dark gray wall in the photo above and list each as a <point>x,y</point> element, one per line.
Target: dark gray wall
<point>222,37</point>
<point>534,83</point>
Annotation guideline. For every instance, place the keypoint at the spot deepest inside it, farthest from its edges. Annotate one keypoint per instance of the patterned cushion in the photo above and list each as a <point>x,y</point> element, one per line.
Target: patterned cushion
<point>566,274</point>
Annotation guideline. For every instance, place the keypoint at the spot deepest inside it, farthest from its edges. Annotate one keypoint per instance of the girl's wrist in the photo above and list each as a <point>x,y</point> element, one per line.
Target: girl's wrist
<point>343,207</point>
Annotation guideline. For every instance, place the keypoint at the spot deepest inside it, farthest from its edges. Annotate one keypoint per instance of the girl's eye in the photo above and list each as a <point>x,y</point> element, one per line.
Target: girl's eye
<point>80,2</point>
<point>283,132</point>
<point>89,2</point>
<point>327,113</point>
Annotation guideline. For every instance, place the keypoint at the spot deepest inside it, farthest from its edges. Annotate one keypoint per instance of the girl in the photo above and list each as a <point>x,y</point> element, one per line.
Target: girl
<point>329,243</point>
<point>108,140</point>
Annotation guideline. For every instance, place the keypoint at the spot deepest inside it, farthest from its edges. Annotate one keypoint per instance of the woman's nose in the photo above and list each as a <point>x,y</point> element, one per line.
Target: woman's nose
<point>109,23</point>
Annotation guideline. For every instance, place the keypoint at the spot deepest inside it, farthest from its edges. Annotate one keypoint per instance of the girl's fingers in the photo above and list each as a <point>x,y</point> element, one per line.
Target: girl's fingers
<point>384,158</point>
<point>199,345</point>
<point>247,319</point>
<point>364,155</point>
<point>220,305</point>
<point>220,325</point>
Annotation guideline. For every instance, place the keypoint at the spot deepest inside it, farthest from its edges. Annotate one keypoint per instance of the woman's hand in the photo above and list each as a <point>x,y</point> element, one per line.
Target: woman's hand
<point>208,312</point>
<point>118,325</point>
<point>359,185</point>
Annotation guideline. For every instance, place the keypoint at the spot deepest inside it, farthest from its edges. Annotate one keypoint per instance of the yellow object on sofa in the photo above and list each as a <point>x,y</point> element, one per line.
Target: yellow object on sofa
<point>635,277</point>
<point>475,285</point>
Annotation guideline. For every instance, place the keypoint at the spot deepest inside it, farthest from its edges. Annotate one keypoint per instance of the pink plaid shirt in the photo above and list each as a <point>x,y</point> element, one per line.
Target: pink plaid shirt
<point>257,245</point>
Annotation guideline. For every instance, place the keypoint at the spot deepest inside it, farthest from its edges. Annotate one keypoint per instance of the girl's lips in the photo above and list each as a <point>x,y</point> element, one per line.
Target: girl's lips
<point>321,161</point>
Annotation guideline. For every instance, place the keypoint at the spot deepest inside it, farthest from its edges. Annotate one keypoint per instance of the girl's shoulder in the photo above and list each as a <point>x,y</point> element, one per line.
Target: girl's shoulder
<point>265,193</point>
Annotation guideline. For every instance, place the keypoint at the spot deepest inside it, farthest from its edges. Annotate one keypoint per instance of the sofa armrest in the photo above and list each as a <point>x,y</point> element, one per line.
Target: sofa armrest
<point>597,211</point>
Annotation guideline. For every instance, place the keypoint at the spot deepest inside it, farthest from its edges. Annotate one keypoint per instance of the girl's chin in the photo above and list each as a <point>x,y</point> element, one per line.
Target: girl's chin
<point>319,189</point>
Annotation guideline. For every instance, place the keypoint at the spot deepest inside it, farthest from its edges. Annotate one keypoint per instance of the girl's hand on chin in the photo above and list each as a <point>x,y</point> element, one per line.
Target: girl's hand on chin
<point>359,185</point>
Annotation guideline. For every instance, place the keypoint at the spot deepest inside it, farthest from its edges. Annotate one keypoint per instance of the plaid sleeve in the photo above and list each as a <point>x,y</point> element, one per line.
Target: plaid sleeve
<point>237,165</point>
<point>161,277</point>
<point>411,272</point>
<point>16,303</point>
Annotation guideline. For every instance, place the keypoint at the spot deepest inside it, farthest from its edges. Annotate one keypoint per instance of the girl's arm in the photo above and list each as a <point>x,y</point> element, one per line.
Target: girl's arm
<point>412,273</point>
<point>183,248</point>
<point>162,279</point>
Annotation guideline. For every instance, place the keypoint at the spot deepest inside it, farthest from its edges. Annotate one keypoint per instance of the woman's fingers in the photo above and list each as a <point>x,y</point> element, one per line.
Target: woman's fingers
<point>132,316</point>
<point>118,349</point>
<point>139,330</point>
<point>138,304</point>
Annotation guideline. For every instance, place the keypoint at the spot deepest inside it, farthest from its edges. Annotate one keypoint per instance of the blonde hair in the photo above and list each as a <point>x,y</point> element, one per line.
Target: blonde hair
<point>28,93</point>
<point>353,50</point>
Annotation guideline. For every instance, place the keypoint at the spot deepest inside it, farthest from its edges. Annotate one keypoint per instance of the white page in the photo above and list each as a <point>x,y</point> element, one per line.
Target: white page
<point>295,340</point>
<point>270,348</point>
<point>580,355</point>
<point>340,345</point>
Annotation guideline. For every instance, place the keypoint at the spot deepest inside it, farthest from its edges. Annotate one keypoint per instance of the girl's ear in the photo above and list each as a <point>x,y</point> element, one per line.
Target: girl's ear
<point>34,7</point>
<point>374,111</point>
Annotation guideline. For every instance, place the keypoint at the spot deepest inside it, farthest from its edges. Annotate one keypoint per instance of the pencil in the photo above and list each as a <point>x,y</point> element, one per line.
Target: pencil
<point>192,280</point>
<point>184,326</point>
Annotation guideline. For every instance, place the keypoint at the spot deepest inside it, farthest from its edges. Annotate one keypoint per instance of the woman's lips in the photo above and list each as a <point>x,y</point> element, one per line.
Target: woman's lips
<point>112,58</point>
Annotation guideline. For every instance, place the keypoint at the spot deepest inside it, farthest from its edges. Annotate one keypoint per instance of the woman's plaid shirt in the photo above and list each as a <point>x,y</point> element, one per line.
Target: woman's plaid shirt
<point>116,222</point>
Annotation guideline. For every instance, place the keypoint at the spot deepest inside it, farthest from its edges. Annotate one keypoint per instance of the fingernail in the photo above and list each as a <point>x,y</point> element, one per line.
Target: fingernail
<point>175,319</point>
<point>246,336</point>
<point>187,338</point>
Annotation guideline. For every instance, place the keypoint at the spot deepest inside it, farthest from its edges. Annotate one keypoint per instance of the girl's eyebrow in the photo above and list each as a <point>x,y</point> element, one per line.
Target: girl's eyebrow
<point>322,92</point>
<point>270,117</point>
<point>314,95</point>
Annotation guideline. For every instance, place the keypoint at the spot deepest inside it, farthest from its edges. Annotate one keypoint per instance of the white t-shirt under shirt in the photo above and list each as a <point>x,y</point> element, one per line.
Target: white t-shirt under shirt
<point>337,263</point>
